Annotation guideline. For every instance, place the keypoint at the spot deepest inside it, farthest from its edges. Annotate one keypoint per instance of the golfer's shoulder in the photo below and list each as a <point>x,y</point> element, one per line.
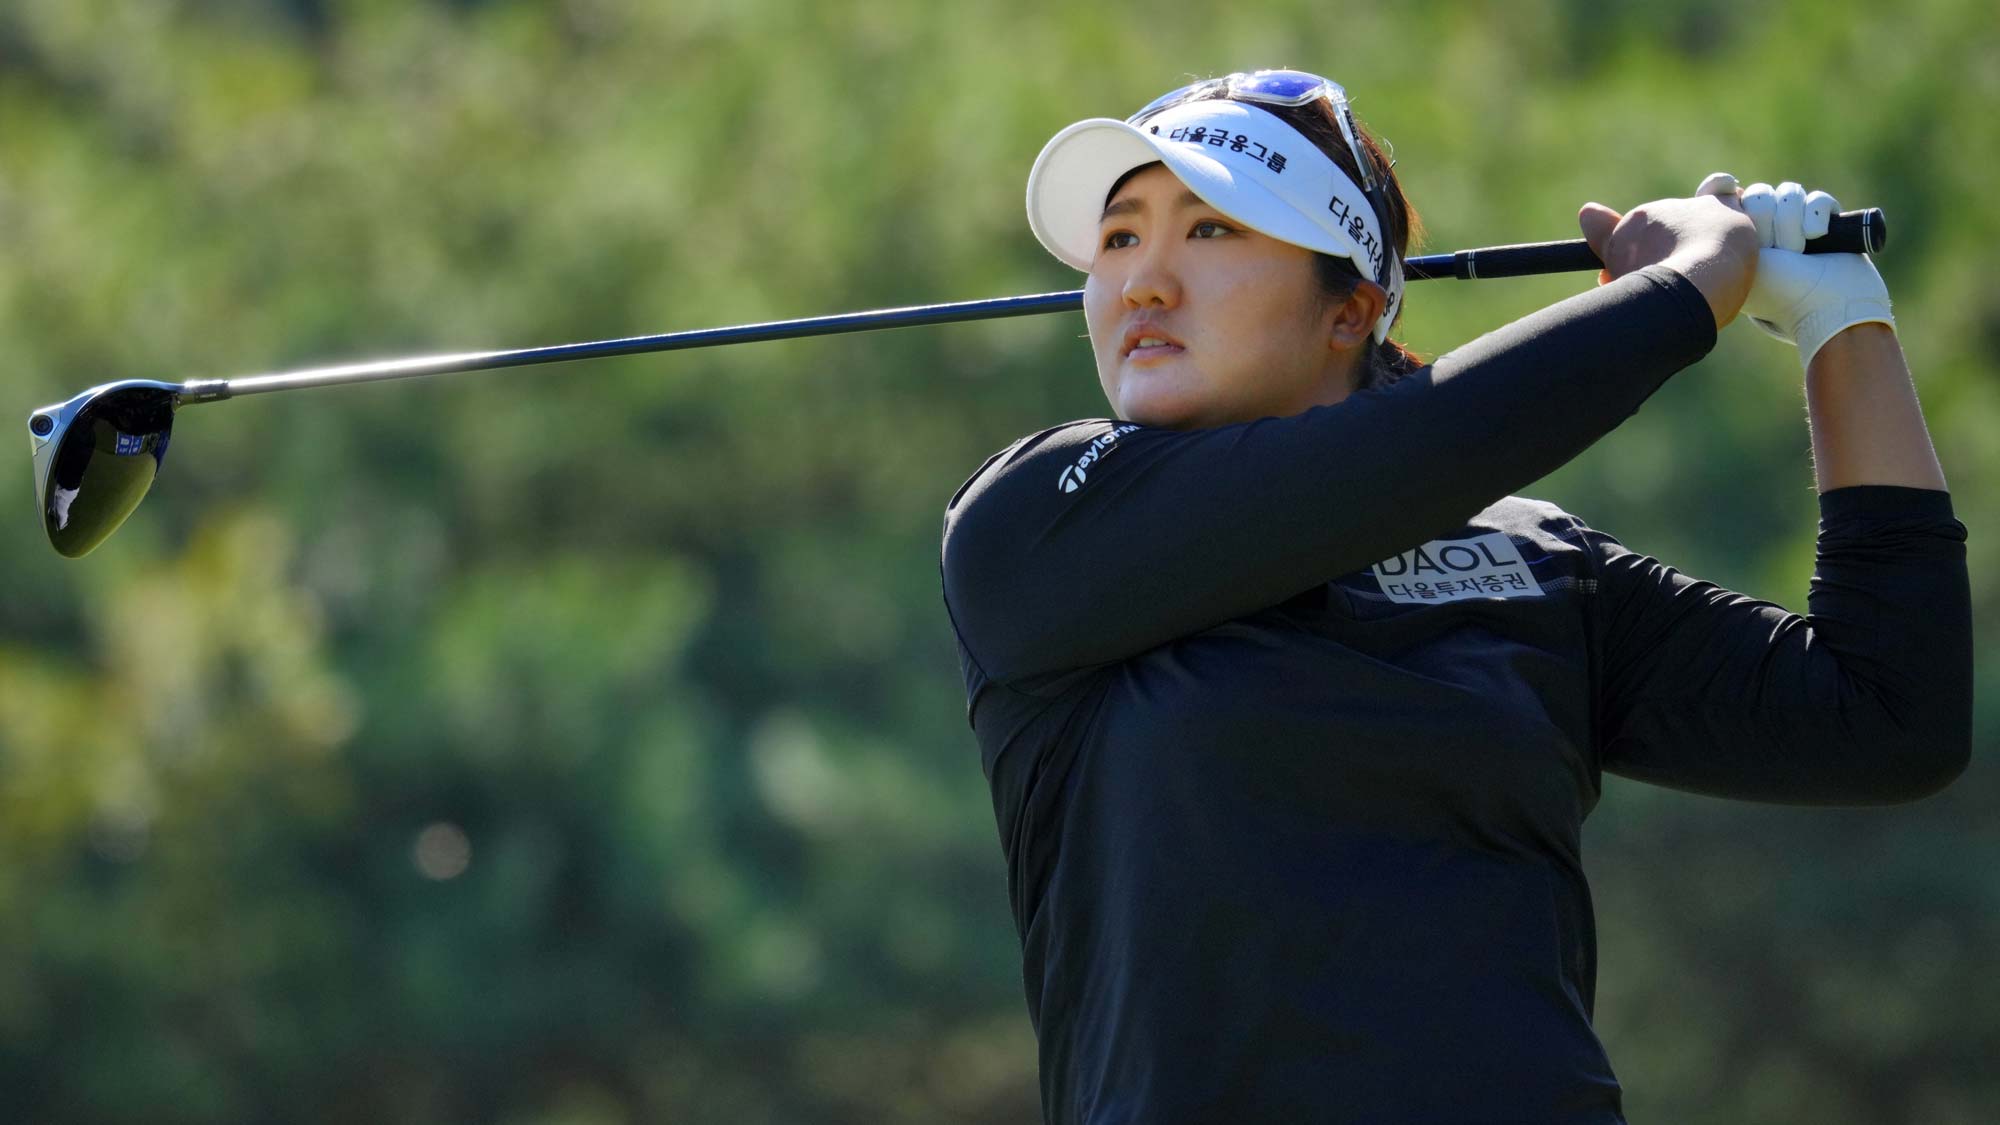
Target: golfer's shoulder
<point>1524,511</point>
<point>1553,529</point>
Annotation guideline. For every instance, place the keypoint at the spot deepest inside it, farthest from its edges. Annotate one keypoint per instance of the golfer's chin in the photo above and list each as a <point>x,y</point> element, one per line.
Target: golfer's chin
<point>1169,399</point>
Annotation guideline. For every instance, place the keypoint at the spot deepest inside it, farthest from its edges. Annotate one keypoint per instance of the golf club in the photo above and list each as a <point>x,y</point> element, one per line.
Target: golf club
<point>97,454</point>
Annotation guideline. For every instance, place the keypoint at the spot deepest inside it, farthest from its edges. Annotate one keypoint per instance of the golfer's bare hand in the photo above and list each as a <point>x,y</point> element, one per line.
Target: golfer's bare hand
<point>1707,239</point>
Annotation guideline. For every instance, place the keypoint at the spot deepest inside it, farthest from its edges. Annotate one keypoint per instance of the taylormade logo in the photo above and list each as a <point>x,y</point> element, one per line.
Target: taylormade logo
<point>1073,477</point>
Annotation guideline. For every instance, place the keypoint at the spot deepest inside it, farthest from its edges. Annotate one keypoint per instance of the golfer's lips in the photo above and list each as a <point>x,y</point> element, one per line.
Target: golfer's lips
<point>1153,334</point>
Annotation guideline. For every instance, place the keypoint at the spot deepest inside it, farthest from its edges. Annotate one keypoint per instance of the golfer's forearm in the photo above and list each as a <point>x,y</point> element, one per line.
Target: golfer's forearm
<point>1867,427</point>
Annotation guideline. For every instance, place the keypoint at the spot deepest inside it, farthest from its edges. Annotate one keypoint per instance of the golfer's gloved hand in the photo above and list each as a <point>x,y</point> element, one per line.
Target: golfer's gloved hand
<point>1802,299</point>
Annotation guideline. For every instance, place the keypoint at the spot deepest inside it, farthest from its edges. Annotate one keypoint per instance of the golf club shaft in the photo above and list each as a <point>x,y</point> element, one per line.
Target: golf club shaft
<point>1849,232</point>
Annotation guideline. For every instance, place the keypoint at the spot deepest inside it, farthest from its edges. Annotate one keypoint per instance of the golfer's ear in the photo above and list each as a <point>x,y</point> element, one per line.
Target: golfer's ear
<point>1355,322</point>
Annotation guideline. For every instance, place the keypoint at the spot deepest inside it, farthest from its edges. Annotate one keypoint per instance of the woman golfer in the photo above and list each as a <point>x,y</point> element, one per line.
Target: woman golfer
<point>1292,711</point>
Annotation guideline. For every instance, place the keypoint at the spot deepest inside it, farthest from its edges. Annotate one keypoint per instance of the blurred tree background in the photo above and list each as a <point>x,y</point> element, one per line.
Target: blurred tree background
<point>586,745</point>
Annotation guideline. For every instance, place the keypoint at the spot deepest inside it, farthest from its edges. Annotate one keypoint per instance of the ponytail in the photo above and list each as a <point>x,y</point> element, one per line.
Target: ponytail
<point>1388,361</point>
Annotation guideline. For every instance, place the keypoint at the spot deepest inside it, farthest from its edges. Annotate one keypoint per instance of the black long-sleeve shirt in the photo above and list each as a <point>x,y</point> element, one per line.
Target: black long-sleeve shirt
<point>1292,725</point>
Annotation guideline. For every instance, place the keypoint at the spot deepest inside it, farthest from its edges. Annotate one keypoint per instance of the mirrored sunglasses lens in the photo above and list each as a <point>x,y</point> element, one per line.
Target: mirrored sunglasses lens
<point>1286,84</point>
<point>104,467</point>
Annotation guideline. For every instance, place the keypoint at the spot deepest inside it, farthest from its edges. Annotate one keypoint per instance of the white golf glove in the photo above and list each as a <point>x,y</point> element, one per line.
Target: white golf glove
<point>1803,299</point>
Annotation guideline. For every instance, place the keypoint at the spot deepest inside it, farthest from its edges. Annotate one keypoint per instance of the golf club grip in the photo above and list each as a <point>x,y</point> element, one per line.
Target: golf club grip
<point>1850,232</point>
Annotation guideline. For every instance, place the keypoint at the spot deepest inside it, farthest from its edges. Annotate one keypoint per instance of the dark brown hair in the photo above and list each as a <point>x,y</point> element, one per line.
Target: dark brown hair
<point>1337,278</point>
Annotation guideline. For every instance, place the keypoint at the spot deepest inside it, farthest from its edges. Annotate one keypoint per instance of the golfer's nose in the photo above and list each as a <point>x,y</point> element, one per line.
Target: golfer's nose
<point>1154,279</point>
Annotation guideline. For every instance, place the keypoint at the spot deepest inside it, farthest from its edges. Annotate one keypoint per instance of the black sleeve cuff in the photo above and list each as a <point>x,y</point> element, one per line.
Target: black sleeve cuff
<point>1700,318</point>
<point>1884,502</point>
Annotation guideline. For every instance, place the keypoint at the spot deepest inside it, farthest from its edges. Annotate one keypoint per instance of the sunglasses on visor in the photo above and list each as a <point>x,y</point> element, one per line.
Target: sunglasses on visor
<point>1284,88</point>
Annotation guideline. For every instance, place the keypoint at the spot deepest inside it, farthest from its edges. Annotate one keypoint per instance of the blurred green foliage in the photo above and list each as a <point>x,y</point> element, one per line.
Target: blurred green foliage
<point>586,744</point>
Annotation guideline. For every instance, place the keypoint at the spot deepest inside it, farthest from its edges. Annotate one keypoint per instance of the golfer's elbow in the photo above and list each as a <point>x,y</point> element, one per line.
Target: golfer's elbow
<point>1929,753</point>
<point>1942,762</point>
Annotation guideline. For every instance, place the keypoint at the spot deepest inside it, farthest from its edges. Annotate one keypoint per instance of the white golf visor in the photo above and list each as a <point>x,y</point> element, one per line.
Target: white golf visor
<point>1246,163</point>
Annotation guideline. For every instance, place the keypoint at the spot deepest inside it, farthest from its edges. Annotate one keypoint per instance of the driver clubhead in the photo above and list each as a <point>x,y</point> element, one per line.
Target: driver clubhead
<point>96,456</point>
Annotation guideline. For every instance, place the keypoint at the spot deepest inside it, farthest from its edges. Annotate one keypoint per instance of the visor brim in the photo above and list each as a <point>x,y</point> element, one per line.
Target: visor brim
<point>1069,181</point>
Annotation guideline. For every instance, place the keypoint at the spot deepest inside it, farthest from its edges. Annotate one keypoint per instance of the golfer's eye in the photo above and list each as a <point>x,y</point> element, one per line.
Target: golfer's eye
<point>1111,240</point>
